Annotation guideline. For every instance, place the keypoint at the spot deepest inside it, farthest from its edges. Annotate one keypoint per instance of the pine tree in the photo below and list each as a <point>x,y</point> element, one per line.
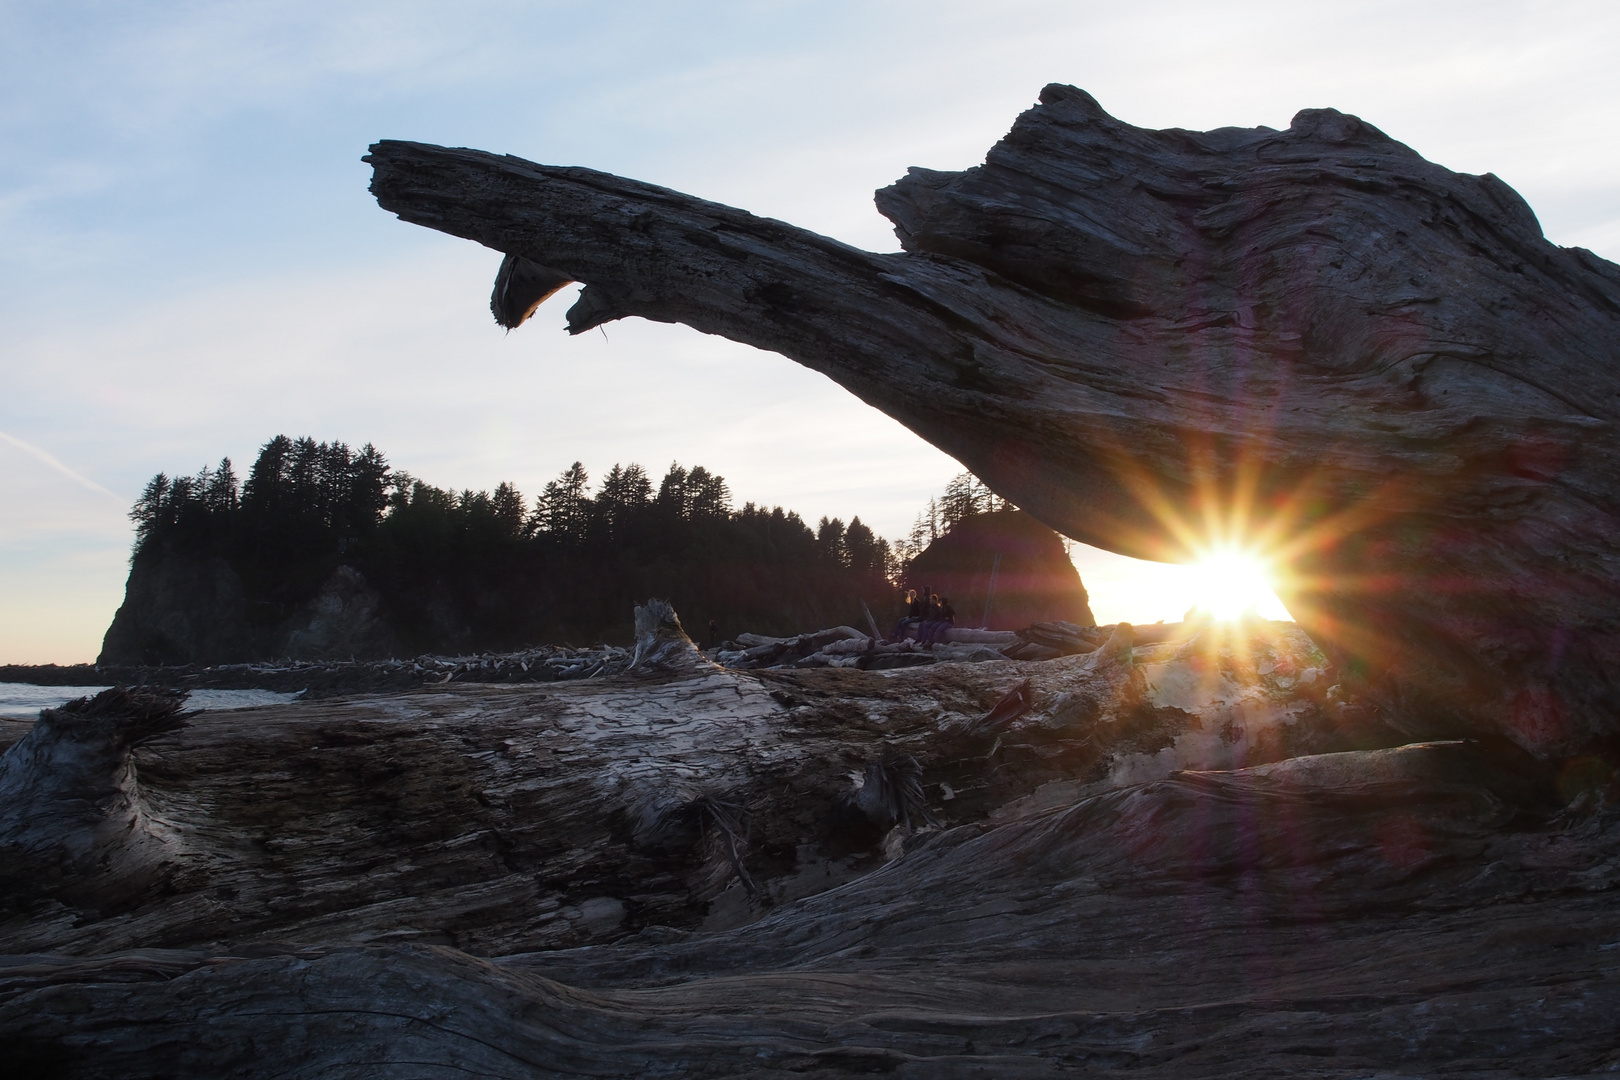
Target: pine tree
<point>965,497</point>
<point>564,507</point>
<point>368,484</point>
<point>830,541</point>
<point>265,490</point>
<point>625,493</point>
<point>150,509</point>
<point>673,497</point>
<point>506,507</point>
<point>707,494</point>
<point>865,553</point>
<point>220,492</point>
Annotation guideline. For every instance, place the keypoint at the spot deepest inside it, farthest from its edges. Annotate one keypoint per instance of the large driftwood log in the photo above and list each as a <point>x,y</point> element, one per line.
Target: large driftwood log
<point>541,880</point>
<point>1311,339</point>
<point>73,822</point>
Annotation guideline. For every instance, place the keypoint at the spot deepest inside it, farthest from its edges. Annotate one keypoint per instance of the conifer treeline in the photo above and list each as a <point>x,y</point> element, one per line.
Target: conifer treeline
<point>475,569</point>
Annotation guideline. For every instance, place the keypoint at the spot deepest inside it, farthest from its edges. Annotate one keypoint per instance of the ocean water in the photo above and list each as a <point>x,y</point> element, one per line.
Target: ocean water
<point>22,701</point>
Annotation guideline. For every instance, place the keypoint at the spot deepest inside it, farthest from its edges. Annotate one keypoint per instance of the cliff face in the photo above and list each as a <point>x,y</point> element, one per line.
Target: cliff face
<point>187,610</point>
<point>1034,580</point>
<point>180,610</point>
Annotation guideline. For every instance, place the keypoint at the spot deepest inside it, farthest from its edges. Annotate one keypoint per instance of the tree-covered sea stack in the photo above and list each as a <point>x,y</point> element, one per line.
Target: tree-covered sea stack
<point>325,551</point>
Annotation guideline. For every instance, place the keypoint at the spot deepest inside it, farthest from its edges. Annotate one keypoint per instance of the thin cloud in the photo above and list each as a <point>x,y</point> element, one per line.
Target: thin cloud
<point>44,456</point>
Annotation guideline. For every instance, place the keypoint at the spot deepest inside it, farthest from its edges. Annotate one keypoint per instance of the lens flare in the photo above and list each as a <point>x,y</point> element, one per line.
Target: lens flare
<point>1228,583</point>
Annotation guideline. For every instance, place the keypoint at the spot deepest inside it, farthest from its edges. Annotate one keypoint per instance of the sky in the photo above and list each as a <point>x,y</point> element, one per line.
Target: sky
<point>190,262</point>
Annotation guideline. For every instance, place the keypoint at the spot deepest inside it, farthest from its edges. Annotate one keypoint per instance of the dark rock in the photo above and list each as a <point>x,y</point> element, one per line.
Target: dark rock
<point>1035,581</point>
<point>343,619</point>
<point>179,610</point>
<point>182,610</point>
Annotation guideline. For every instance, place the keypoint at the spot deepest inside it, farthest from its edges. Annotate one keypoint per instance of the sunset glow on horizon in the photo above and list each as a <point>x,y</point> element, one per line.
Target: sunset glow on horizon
<point>1229,582</point>
<point>1225,582</point>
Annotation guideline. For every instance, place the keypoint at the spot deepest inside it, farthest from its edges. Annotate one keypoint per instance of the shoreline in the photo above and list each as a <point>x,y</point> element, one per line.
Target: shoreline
<point>323,678</point>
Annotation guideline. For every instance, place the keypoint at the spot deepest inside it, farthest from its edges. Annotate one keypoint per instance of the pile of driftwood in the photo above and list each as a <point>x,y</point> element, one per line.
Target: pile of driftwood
<point>547,663</point>
<point>1049,640</point>
<point>845,646</point>
<point>840,646</point>
<point>544,663</point>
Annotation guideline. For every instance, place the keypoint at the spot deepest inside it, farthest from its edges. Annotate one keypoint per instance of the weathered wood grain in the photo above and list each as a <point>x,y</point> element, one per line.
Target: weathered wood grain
<point>1374,368</point>
<point>527,881</point>
<point>500,818</point>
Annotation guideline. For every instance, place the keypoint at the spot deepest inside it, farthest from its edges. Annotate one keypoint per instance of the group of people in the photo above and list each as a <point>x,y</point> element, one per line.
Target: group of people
<point>928,614</point>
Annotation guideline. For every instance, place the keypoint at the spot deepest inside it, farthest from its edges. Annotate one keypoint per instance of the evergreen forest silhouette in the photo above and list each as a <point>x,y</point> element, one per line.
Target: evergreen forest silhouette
<point>475,570</point>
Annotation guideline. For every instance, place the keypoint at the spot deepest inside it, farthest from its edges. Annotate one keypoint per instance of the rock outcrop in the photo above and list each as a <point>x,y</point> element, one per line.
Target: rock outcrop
<point>183,610</point>
<point>1002,571</point>
<point>1313,340</point>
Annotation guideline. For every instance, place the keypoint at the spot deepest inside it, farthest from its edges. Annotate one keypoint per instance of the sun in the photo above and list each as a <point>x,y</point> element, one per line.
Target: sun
<point>1226,583</point>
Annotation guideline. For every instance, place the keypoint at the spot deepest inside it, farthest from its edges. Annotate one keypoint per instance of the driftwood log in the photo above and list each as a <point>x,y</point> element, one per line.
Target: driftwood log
<point>686,871</point>
<point>1311,340</point>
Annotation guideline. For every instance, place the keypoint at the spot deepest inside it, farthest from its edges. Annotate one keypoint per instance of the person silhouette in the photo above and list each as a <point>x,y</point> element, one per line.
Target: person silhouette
<point>911,618</point>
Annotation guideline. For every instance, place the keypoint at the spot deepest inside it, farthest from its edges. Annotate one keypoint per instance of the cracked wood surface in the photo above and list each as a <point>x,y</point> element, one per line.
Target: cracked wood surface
<point>505,881</point>
<point>1143,337</point>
